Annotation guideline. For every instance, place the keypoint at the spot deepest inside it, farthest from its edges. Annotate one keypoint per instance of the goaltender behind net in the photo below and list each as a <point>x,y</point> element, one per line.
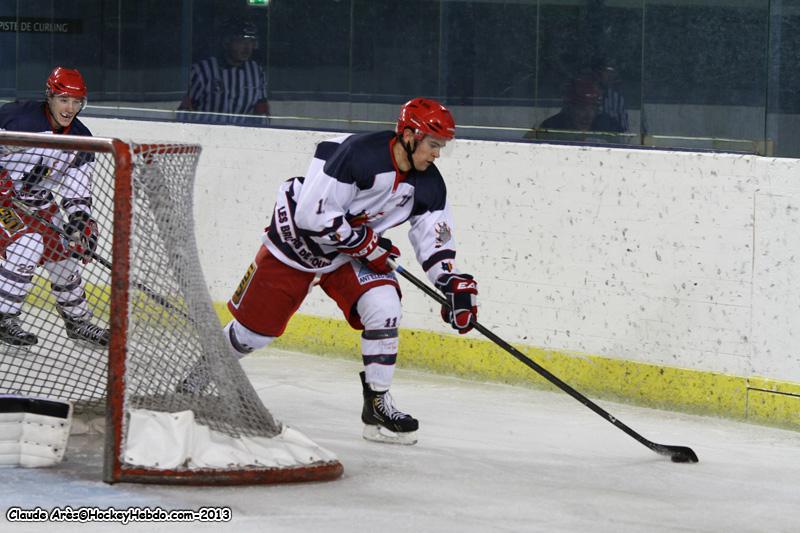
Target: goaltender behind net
<point>30,183</point>
<point>327,230</point>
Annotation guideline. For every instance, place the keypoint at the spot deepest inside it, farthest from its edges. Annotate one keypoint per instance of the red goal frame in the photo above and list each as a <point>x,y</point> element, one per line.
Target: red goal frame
<point>114,470</point>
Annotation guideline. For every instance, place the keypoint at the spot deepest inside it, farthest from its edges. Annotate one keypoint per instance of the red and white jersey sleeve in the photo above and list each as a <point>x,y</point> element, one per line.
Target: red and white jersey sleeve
<point>323,201</point>
<point>432,238</point>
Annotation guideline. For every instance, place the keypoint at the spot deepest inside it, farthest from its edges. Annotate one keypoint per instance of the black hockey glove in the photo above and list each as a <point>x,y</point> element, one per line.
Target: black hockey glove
<point>461,293</point>
<point>81,230</point>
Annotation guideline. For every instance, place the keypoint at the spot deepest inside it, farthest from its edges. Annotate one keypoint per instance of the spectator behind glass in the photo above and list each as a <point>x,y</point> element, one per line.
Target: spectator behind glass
<point>612,103</point>
<point>232,83</point>
<point>580,112</point>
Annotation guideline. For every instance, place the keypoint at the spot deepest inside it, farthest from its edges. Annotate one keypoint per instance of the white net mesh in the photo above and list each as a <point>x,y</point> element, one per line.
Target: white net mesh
<point>173,331</point>
<point>41,285</point>
<point>58,220</point>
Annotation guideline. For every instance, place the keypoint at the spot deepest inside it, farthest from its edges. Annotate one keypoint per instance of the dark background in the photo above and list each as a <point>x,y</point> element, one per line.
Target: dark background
<point>465,53</point>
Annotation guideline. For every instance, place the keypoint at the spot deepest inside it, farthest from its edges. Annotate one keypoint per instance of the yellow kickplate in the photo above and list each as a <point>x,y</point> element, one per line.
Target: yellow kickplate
<point>773,402</point>
<point>760,400</point>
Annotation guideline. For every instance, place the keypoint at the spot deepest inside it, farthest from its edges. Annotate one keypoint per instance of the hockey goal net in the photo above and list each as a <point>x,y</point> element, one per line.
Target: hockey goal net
<point>142,287</point>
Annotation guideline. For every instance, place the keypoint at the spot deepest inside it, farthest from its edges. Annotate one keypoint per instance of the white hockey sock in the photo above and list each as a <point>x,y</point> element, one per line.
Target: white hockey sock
<point>242,341</point>
<point>380,312</point>
<point>13,289</point>
<point>16,279</point>
<point>379,352</point>
<point>66,285</point>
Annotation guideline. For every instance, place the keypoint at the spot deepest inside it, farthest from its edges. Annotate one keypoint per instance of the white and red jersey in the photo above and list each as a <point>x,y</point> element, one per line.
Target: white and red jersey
<point>353,180</point>
<point>40,176</point>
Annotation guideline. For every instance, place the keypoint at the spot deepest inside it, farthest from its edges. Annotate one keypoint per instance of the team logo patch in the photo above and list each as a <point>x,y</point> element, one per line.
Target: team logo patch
<point>10,221</point>
<point>242,288</point>
<point>362,218</point>
<point>358,220</point>
<point>366,275</point>
<point>443,234</point>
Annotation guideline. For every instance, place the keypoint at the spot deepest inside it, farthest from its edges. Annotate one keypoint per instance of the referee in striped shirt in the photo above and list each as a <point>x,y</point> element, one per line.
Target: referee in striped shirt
<point>613,103</point>
<point>230,84</point>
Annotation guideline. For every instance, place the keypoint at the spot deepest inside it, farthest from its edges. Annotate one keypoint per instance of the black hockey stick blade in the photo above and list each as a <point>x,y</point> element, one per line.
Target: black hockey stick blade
<point>678,454</point>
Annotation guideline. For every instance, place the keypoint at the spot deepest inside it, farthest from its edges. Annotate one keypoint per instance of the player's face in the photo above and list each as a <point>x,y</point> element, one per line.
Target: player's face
<point>240,50</point>
<point>63,108</point>
<point>428,150</point>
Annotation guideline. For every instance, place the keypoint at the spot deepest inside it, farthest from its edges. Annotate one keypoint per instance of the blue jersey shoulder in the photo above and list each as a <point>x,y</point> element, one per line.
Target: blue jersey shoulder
<point>31,117</point>
<point>430,191</point>
<point>79,128</point>
<point>359,158</point>
<point>24,116</point>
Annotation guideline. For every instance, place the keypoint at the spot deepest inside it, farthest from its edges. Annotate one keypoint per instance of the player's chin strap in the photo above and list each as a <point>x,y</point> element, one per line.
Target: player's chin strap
<point>409,151</point>
<point>678,454</point>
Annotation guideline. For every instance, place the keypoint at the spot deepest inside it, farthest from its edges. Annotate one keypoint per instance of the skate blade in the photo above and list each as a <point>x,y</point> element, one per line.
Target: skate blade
<point>189,389</point>
<point>23,351</point>
<point>83,343</point>
<point>381,434</point>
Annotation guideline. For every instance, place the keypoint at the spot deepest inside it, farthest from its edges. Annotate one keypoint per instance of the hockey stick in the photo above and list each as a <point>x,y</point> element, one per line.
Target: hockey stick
<point>678,454</point>
<point>157,298</point>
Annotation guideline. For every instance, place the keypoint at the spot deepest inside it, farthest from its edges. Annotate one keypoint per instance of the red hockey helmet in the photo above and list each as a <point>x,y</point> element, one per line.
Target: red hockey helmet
<point>65,81</point>
<point>426,117</point>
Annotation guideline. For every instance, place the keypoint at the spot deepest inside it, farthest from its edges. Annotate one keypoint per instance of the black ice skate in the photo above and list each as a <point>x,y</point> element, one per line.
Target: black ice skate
<point>11,331</point>
<point>195,381</point>
<point>84,331</point>
<point>382,421</point>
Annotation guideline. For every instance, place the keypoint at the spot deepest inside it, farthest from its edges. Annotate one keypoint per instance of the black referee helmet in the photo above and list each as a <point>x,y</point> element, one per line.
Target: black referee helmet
<point>240,29</point>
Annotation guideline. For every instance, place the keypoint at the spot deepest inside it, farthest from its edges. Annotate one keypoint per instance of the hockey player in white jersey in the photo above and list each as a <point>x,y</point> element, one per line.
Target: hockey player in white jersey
<point>327,230</point>
<point>32,182</point>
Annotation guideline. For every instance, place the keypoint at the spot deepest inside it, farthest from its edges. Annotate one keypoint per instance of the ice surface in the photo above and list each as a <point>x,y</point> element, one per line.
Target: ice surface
<point>490,458</point>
